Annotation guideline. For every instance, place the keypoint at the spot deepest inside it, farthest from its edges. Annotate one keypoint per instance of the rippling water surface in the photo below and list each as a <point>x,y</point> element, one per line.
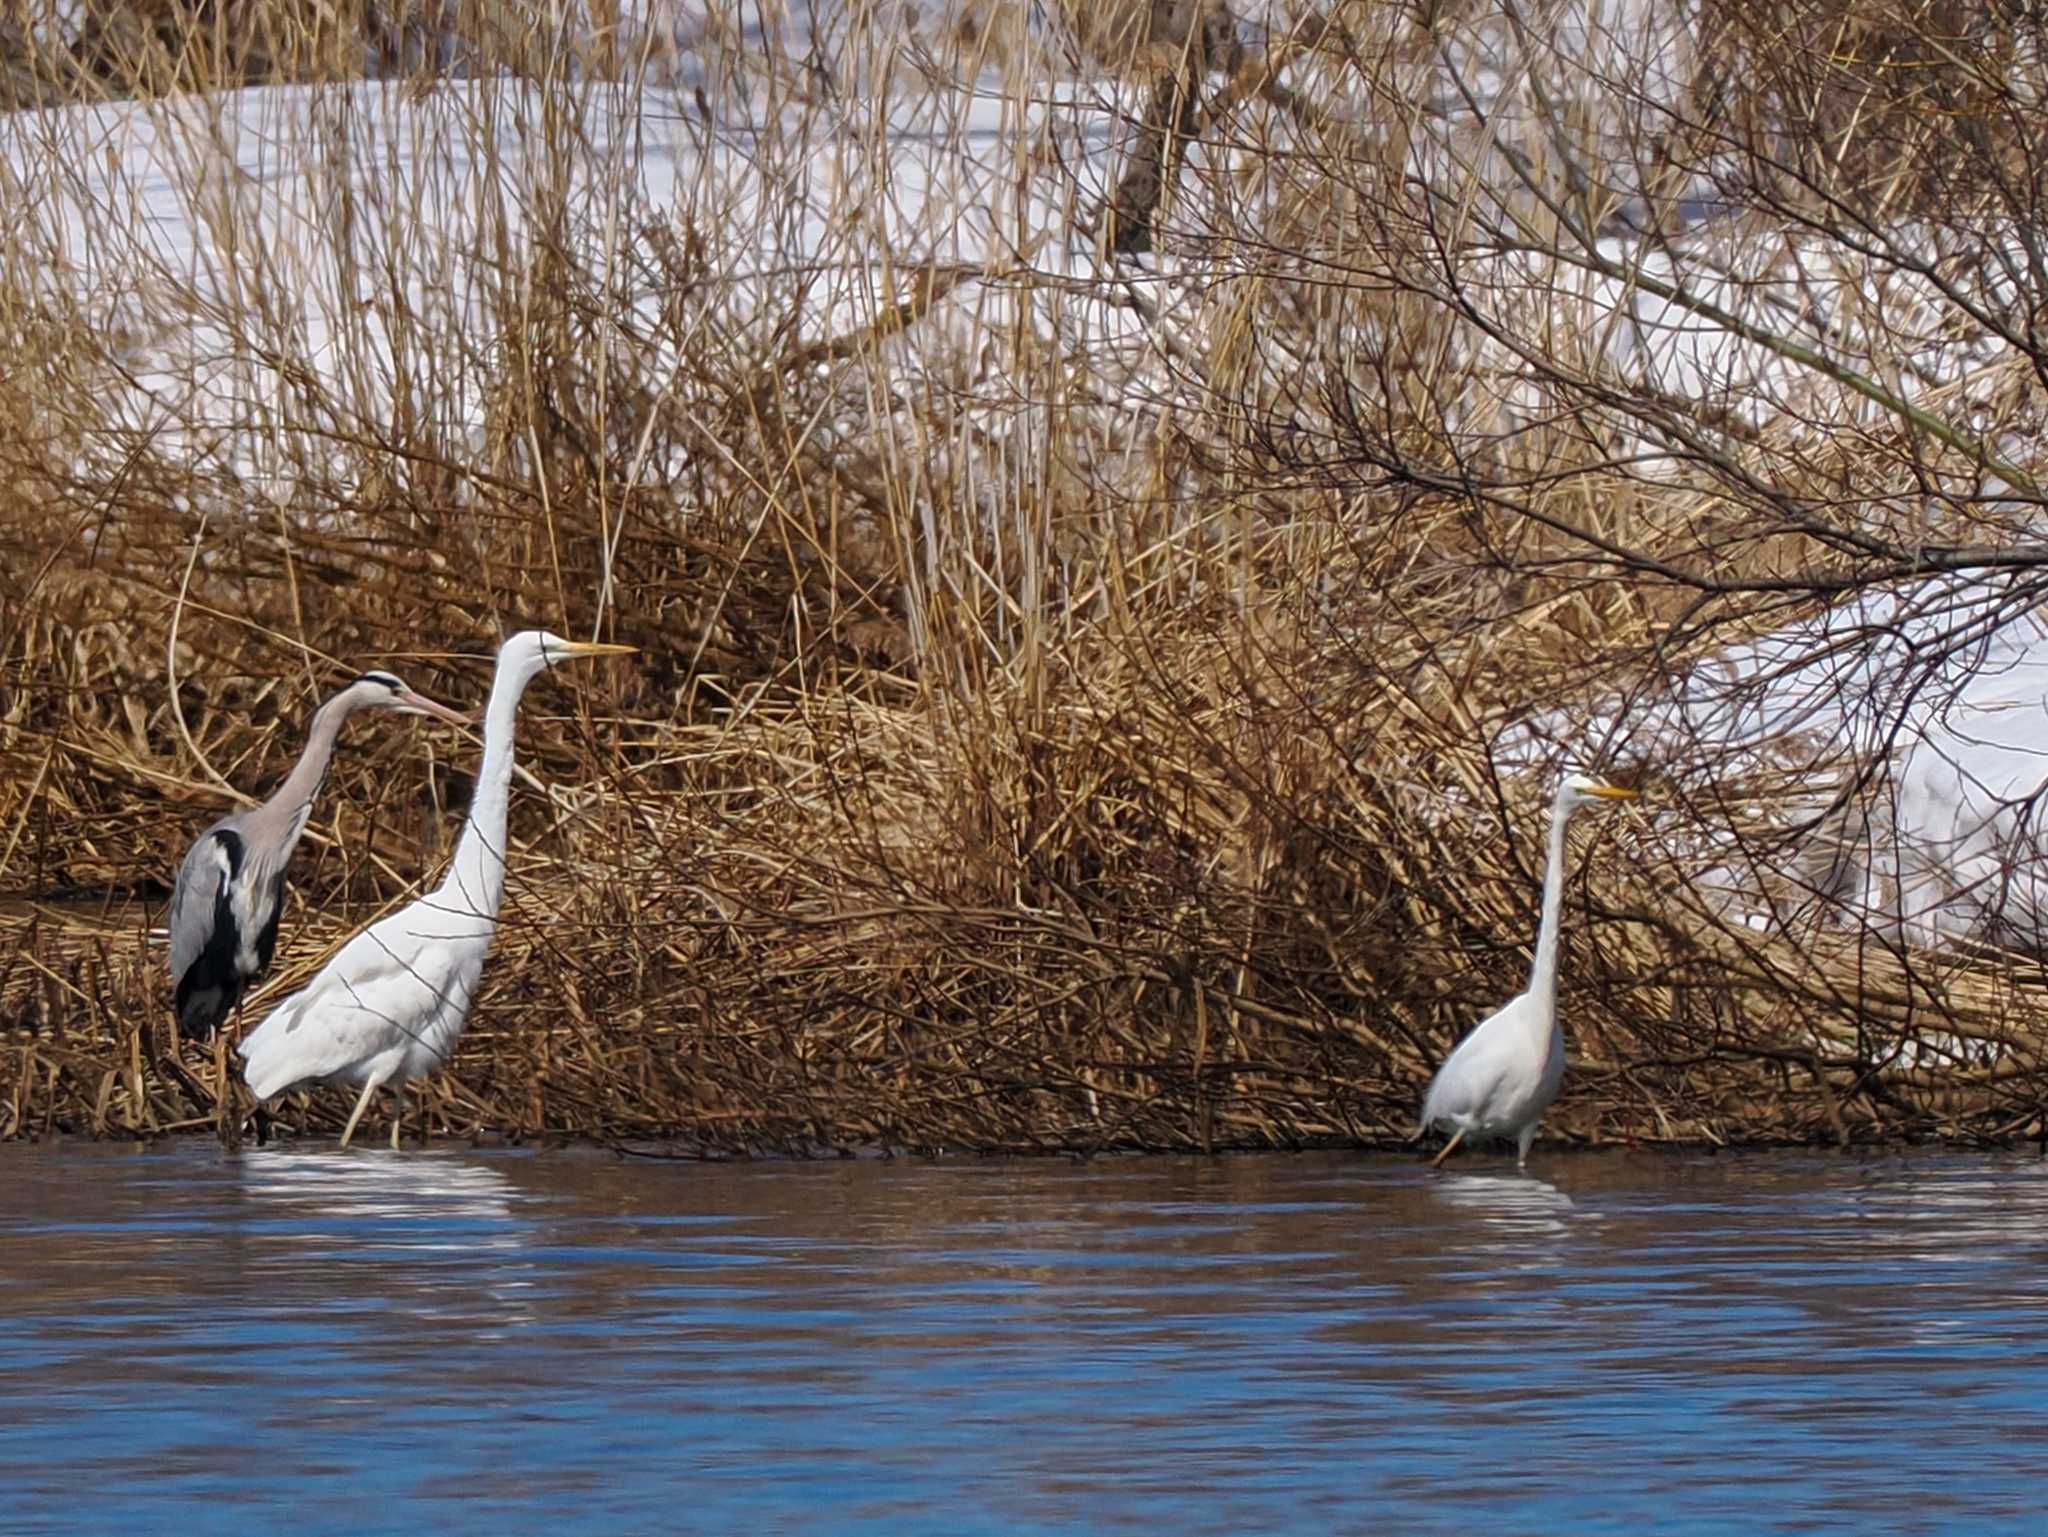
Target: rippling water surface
<point>491,1342</point>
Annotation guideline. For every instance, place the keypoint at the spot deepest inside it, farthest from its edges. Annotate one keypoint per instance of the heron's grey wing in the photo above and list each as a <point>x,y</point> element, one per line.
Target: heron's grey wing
<point>259,896</point>
<point>203,877</point>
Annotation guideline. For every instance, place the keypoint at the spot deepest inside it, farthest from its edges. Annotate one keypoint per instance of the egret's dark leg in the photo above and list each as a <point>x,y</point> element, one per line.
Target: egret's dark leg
<point>259,1115</point>
<point>397,1119</point>
<point>226,1125</point>
<point>1449,1147</point>
<point>1522,1145</point>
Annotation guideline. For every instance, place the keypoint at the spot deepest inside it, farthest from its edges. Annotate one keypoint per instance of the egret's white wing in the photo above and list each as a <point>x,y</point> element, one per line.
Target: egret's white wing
<point>379,993</point>
<point>1500,1050</point>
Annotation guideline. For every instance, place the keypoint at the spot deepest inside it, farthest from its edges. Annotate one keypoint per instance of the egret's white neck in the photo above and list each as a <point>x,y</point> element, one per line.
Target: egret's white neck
<point>1543,975</point>
<point>476,878</point>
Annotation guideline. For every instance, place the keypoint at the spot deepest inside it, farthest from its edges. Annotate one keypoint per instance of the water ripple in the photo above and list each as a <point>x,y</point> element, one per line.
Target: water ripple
<point>1279,1344</point>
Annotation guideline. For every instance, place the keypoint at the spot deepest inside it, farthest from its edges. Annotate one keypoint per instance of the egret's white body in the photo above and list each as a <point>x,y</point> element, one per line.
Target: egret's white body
<point>390,1006</point>
<point>1504,1075</point>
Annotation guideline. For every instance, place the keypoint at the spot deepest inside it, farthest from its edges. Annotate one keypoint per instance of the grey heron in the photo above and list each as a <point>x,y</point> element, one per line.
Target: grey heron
<point>230,887</point>
<point>391,1004</point>
<point>1504,1075</point>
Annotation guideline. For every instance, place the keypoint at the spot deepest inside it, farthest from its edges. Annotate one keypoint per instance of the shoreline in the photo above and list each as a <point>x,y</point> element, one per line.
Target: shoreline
<point>656,1151</point>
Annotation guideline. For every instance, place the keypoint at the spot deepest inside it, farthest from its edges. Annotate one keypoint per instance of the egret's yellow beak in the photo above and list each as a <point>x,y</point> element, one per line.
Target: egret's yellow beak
<point>596,648</point>
<point>1611,792</point>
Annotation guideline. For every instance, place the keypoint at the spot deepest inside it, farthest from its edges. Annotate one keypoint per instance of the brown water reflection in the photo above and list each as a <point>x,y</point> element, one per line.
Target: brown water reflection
<point>506,1341</point>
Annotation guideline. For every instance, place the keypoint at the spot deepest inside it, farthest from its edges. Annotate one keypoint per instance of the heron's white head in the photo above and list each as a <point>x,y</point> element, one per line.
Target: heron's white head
<point>386,691</point>
<point>1576,790</point>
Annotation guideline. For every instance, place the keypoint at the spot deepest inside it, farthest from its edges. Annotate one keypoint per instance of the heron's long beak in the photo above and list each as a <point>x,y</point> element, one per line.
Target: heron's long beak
<point>1611,792</point>
<point>596,648</point>
<point>406,702</point>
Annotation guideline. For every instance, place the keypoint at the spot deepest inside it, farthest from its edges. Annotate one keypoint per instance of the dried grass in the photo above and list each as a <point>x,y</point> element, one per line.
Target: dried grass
<point>1033,746</point>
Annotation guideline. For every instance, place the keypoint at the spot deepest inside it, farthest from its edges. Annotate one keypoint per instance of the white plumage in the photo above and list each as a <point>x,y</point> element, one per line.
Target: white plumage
<point>1504,1075</point>
<point>390,1006</point>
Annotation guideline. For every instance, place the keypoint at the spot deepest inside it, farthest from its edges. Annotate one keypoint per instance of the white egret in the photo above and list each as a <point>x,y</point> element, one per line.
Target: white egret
<point>1504,1075</point>
<point>390,1006</point>
<point>230,888</point>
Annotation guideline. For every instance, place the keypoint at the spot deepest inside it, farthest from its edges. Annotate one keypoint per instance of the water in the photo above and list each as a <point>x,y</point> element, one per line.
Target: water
<point>489,1342</point>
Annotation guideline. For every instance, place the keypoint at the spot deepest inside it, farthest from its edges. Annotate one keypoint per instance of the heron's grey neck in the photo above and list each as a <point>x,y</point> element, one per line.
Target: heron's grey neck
<point>1543,975</point>
<point>283,817</point>
<point>476,879</point>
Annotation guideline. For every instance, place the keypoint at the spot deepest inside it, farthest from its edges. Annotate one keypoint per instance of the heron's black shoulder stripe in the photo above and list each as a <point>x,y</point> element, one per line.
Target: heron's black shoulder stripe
<point>231,840</point>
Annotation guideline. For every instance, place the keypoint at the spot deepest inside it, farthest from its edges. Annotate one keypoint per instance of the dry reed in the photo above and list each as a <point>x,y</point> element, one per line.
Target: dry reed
<point>1068,690</point>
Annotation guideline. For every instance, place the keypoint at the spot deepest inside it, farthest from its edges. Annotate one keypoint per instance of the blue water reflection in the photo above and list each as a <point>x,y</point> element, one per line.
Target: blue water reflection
<point>489,1342</point>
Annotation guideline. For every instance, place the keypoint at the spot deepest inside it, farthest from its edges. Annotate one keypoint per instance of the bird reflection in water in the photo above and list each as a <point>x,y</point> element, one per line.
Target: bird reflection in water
<point>1511,1208</point>
<point>438,1186</point>
<point>449,1234</point>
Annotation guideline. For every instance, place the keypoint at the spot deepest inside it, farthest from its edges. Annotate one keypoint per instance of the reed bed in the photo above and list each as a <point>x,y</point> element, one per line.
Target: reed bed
<point>1069,680</point>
